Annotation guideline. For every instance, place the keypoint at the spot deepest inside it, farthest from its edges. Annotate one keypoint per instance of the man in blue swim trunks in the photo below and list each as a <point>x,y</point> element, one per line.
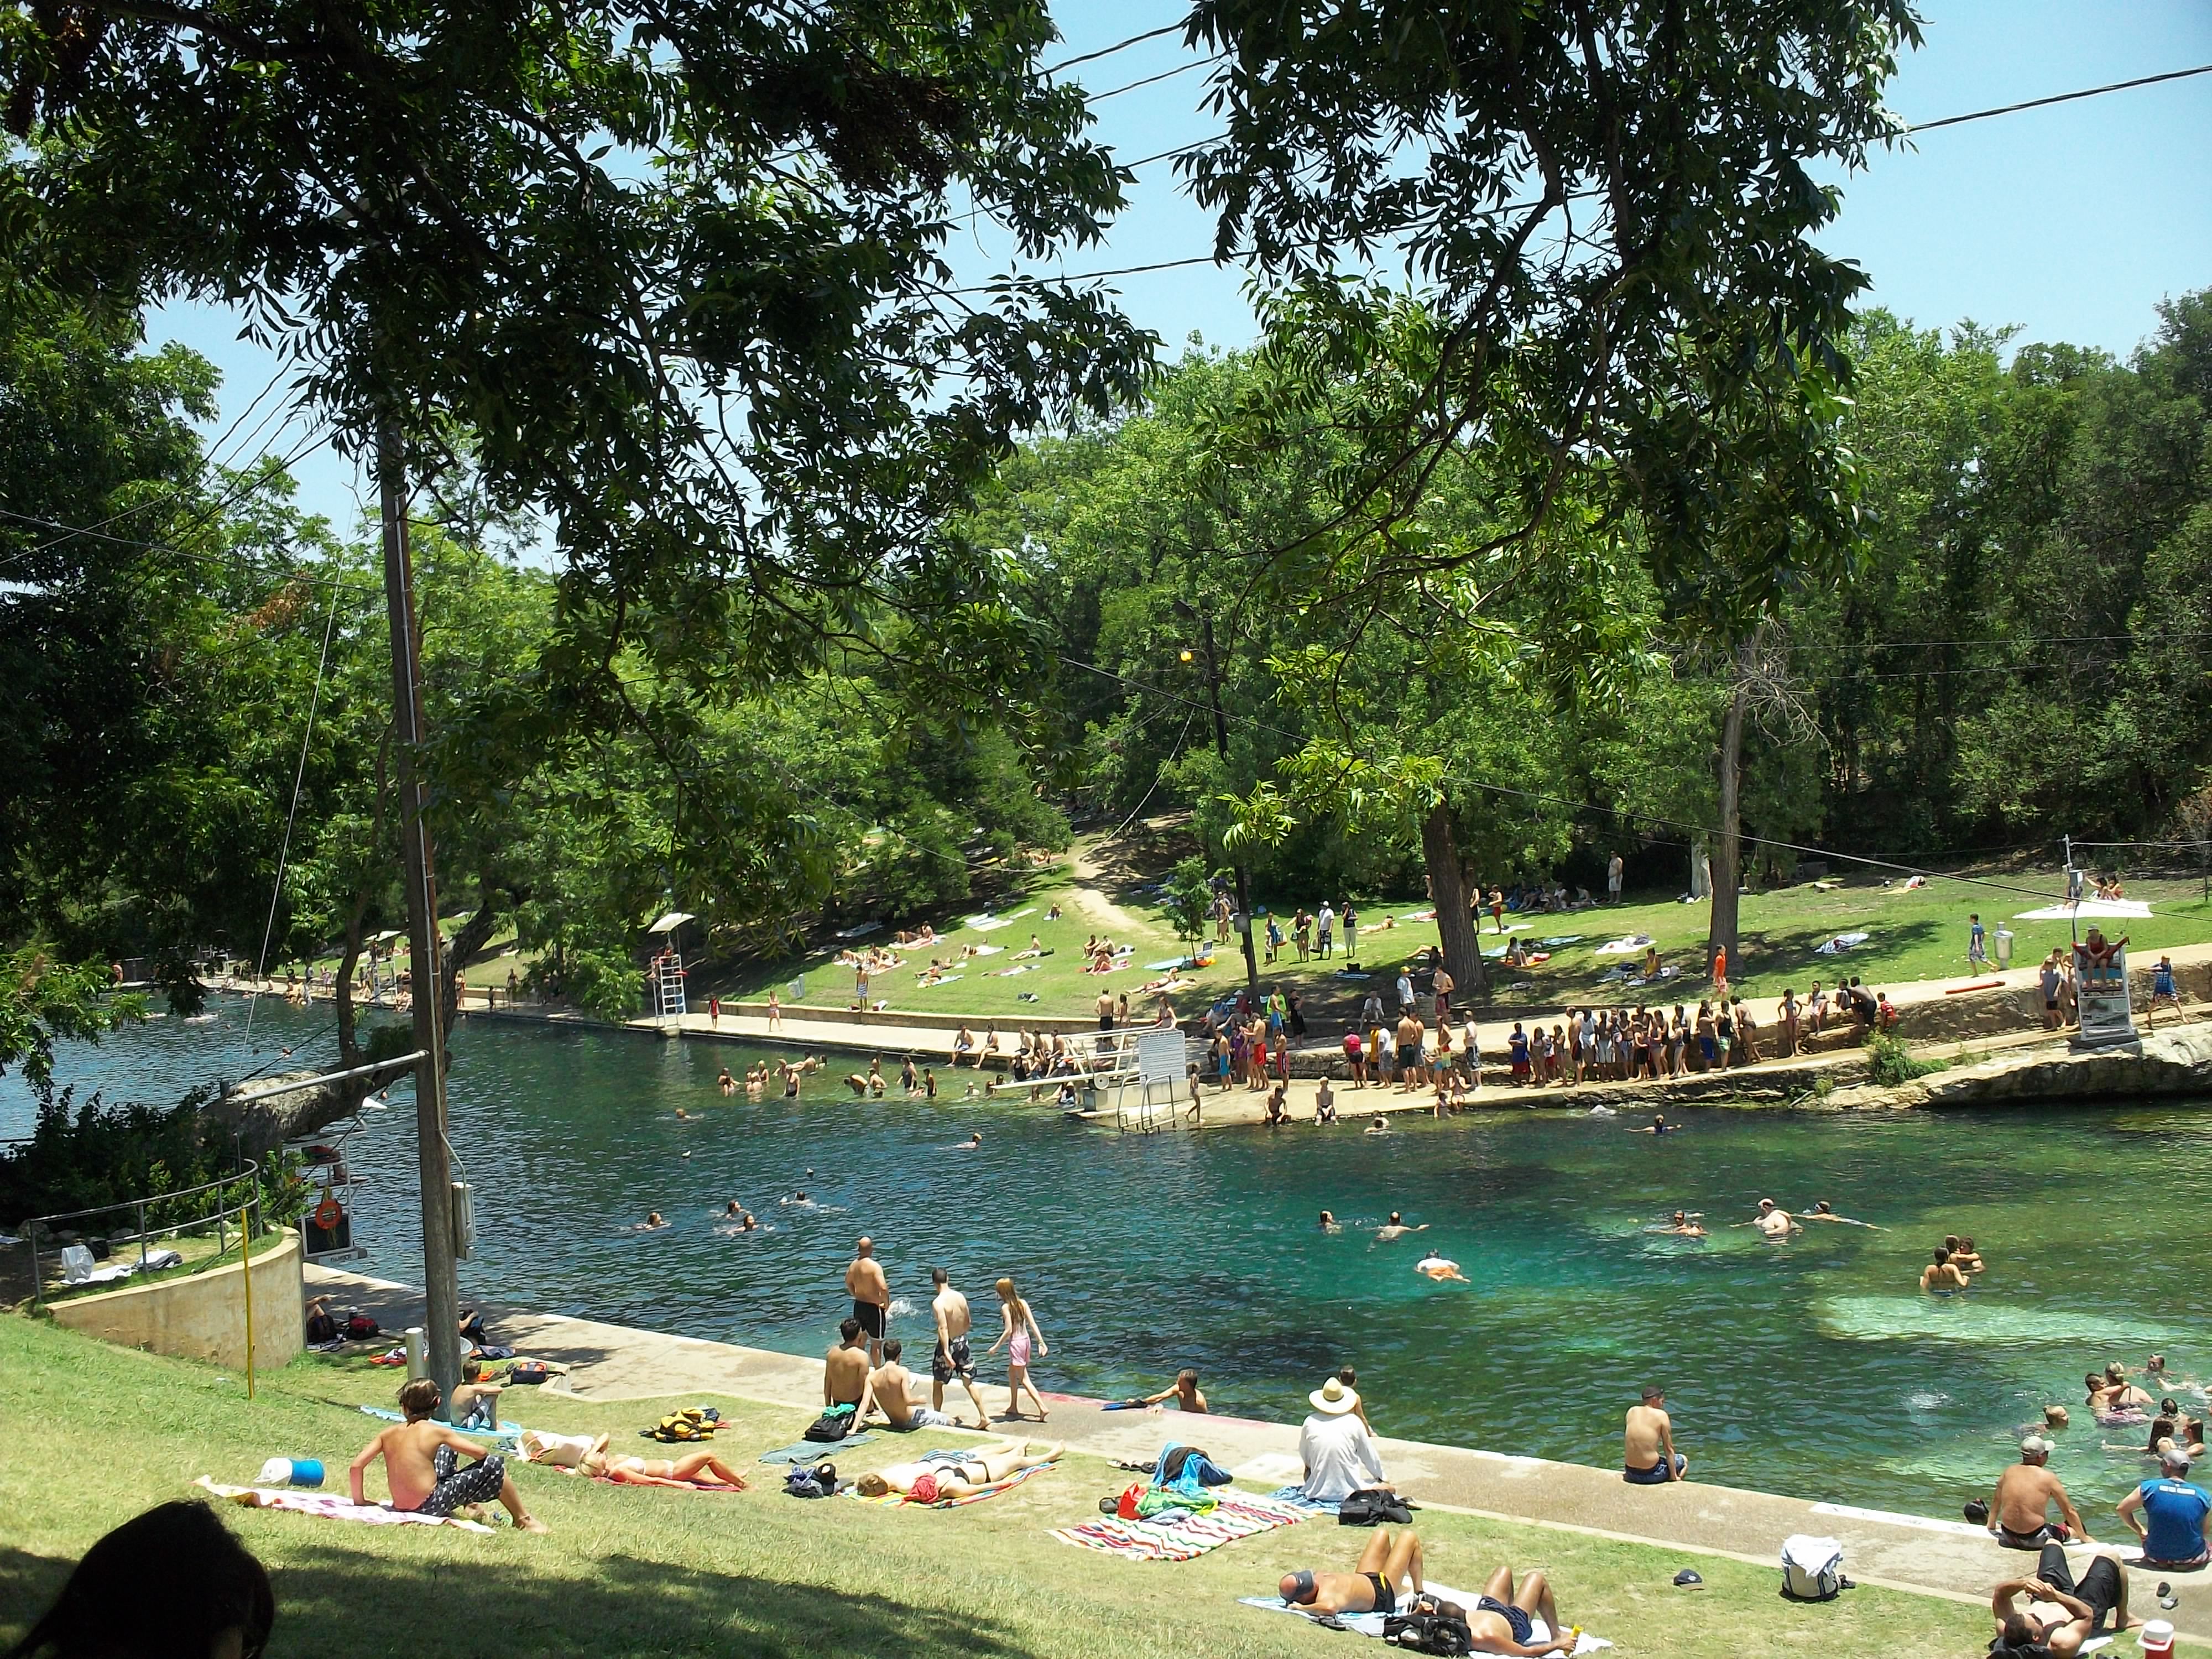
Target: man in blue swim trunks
<point>2164,991</point>
<point>1648,1453</point>
<point>1504,1619</point>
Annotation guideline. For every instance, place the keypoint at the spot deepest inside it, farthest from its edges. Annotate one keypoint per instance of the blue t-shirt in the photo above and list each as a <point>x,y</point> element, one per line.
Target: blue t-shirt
<point>2174,1520</point>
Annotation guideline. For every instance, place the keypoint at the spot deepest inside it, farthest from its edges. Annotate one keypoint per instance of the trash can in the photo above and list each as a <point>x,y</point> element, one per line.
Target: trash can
<point>418,1355</point>
<point>2004,947</point>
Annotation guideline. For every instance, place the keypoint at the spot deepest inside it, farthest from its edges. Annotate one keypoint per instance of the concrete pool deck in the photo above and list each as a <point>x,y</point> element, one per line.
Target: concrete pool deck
<point>1946,1558</point>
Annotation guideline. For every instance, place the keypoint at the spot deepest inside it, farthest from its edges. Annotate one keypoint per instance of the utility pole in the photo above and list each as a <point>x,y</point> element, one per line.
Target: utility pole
<point>1221,748</point>
<point>440,1290</point>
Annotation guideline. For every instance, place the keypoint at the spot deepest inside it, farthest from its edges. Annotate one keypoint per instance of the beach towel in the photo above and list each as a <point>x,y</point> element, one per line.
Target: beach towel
<point>985,924</point>
<point>1008,973</point>
<point>1623,945</point>
<point>986,950</point>
<point>2086,910</point>
<point>1296,1496</point>
<point>1236,1516</point>
<point>1841,943</point>
<point>810,1451</point>
<point>1370,1624</point>
<point>504,1431</point>
<point>1168,966</point>
<point>942,979</point>
<point>332,1507</point>
<point>899,1499</point>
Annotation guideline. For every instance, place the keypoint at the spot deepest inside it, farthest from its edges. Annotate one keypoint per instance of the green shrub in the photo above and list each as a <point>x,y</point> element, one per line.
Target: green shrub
<point>1889,1062</point>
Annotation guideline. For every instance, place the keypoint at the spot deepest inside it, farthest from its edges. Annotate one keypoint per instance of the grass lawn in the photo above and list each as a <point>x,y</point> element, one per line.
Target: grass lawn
<point>1915,934</point>
<point>95,1434</point>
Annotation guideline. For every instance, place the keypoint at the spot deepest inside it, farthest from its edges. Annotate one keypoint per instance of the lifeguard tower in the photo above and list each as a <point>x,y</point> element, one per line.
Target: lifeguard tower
<point>666,977</point>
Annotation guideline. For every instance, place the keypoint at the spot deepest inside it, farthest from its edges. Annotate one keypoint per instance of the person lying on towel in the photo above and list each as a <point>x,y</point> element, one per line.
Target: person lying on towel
<point>1390,1566</point>
<point>578,1456</point>
<point>422,1467</point>
<point>930,1483</point>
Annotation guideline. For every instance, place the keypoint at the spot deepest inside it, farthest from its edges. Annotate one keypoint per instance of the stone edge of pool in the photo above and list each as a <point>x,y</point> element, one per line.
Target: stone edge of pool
<point>1924,1556</point>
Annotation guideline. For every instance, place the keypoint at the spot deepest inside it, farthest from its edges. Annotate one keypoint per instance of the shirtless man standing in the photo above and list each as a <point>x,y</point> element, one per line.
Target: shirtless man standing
<point>845,1372</point>
<point>872,1295</point>
<point>2020,1508</point>
<point>1409,1051</point>
<point>1772,1221</point>
<point>1648,1453</point>
<point>950,1309</point>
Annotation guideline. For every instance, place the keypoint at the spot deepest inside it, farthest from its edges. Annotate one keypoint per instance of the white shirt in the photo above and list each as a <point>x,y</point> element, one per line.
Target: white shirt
<point>1327,919</point>
<point>1340,1457</point>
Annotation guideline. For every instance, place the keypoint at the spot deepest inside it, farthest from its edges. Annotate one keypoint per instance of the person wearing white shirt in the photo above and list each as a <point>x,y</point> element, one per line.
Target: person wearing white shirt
<point>1339,1454</point>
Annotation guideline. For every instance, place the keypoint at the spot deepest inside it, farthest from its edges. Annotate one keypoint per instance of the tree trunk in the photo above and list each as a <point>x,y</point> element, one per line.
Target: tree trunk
<point>1728,852</point>
<point>1448,887</point>
<point>467,946</point>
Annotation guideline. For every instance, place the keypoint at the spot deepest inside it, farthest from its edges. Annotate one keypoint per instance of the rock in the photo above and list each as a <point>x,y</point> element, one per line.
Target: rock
<point>2165,1064</point>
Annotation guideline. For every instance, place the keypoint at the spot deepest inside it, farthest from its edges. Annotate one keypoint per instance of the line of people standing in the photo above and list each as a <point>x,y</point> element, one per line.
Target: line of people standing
<point>864,1369</point>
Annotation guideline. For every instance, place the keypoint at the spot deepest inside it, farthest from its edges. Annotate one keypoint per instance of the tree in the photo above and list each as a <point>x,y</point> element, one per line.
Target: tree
<point>676,273</point>
<point>1188,898</point>
<point>43,1002</point>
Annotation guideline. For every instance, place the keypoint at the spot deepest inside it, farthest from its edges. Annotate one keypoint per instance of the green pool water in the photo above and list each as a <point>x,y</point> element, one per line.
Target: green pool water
<point>1813,1367</point>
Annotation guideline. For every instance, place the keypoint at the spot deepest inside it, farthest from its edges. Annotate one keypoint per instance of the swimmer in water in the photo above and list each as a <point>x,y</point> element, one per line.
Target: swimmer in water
<point>725,1082</point>
<point>798,1198</point>
<point>682,1115</point>
<point>1772,1221</point>
<point>1942,1276</point>
<point>1684,1226</point>
<point>1396,1228</point>
<point>1658,1126</point>
<point>1329,1224</point>
<point>972,1144</point>
<point>734,1208</point>
<point>747,1224</point>
<point>1440,1268</point>
<point>653,1218</point>
<point>1968,1258</point>
<point>1821,1212</point>
<point>1380,1127</point>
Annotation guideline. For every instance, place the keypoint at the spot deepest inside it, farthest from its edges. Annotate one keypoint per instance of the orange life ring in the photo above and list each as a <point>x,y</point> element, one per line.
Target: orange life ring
<point>328,1214</point>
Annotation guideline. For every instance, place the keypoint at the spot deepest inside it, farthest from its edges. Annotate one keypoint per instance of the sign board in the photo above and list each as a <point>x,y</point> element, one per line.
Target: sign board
<point>2101,976</point>
<point>1159,1058</point>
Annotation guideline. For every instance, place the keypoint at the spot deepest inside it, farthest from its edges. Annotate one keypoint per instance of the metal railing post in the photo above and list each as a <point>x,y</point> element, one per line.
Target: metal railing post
<point>37,1267</point>
<point>139,1208</point>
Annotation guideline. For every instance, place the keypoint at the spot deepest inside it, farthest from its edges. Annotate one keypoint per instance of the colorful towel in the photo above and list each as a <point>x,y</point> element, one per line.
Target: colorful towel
<point>332,1507</point>
<point>898,1499</point>
<point>1370,1624</point>
<point>814,1451</point>
<point>1237,1516</point>
<point>1296,1496</point>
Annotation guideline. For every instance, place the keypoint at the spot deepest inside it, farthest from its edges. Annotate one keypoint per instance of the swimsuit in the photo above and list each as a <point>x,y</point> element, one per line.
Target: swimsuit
<point>1516,1618</point>
<point>1386,1598</point>
<point>1654,1476</point>
<point>1018,1350</point>
<point>479,1483</point>
<point>943,1367</point>
<point>871,1315</point>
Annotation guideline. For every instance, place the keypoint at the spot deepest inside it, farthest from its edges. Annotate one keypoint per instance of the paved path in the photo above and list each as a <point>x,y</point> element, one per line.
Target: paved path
<point>1931,1557</point>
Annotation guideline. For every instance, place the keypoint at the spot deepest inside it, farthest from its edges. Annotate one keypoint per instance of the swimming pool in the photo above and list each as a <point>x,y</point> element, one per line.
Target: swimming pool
<point>1813,1368</point>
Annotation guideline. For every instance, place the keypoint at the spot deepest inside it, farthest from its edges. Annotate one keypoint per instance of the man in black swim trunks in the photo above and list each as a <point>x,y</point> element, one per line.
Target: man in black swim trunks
<point>1389,1564</point>
<point>952,1362</point>
<point>872,1295</point>
<point>2062,1611</point>
<point>2020,1508</point>
<point>1504,1619</point>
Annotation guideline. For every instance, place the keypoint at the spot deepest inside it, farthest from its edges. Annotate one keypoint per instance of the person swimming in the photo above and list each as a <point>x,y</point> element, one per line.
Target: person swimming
<point>1380,1127</point>
<point>972,1144</point>
<point>1821,1212</point>
<point>652,1218</point>
<point>1683,1225</point>
<point>1440,1269</point>
<point>1329,1224</point>
<point>1396,1228</point>
<point>1658,1126</point>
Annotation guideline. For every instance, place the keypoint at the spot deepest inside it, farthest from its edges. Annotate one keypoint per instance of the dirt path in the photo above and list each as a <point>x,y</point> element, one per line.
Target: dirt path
<point>1092,902</point>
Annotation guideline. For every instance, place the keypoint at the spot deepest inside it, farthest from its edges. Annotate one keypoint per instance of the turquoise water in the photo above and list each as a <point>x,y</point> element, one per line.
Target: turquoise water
<point>1813,1368</point>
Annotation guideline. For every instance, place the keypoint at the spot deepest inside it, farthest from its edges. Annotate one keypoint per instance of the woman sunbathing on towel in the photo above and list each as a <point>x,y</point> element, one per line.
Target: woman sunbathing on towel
<point>930,1483</point>
<point>573,1455</point>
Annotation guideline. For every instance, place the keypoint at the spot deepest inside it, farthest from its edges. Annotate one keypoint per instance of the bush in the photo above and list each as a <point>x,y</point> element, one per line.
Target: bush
<point>81,1157</point>
<point>1889,1062</point>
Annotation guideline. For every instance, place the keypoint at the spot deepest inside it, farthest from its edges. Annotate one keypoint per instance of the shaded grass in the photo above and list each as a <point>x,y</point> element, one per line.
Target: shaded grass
<point>96,1434</point>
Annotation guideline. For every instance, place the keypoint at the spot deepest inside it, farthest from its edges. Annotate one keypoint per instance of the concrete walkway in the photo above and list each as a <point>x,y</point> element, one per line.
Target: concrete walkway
<point>1946,1559</point>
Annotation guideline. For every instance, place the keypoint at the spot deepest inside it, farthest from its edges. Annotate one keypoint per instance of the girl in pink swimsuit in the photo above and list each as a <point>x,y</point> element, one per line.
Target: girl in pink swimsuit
<point>1020,1333</point>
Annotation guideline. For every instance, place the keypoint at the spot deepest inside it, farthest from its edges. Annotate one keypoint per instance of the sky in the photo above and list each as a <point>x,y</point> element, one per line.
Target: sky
<point>2069,223</point>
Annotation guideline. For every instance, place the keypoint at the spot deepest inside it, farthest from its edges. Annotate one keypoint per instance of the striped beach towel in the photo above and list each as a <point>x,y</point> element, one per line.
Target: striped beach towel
<point>332,1507</point>
<point>1237,1516</point>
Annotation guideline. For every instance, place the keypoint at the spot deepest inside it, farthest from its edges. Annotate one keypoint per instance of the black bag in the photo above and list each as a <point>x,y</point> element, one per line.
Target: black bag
<point>820,1481</point>
<point>321,1327</point>
<point>1370,1506</point>
<point>361,1328</point>
<point>1428,1632</point>
<point>833,1424</point>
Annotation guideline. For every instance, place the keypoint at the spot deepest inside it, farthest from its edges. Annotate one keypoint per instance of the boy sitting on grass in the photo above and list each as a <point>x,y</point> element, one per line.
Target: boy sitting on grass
<point>422,1464</point>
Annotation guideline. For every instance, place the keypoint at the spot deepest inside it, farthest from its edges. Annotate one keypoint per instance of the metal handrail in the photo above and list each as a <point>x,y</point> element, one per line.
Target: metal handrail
<point>243,1210</point>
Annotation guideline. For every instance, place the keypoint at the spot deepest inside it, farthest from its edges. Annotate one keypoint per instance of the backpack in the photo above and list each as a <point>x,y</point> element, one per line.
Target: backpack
<point>1812,1569</point>
<point>321,1327</point>
<point>693,1423</point>
<point>833,1424</point>
<point>1428,1632</point>
<point>1371,1506</point>
<point>527,1371</point>
<point>361,1328</point>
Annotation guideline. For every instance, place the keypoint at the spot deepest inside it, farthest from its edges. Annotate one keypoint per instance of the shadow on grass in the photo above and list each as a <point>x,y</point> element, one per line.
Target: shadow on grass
<point>334,1603</point>
<point>1796,950</point>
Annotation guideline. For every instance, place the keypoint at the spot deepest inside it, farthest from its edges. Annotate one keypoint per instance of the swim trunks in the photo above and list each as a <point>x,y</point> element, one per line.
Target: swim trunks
<point>479,1483</point>
<point>1386,1598</point>
<point>1654,1476</point>
<point>871,1315</point>
<point>945,1367</point>
<point>1409,1055</point>
<point>2097,1588</point>
<point>1516,1619</point>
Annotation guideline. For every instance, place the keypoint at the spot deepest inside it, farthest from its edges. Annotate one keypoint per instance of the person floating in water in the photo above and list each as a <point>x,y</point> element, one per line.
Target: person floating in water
<point>1684,1226</point>
<point>652,1218</point>
<point>1329,1224</point>
<point>1396,1228</point>
<point>1658,1126</point>
<point>1821,1212</point>
<point>1772,1221</point>
<point>1440,1268</point>
<point>974,1143</point>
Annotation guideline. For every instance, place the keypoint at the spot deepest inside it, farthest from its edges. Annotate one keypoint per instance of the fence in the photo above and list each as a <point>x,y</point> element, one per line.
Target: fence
<point>225,1218</point>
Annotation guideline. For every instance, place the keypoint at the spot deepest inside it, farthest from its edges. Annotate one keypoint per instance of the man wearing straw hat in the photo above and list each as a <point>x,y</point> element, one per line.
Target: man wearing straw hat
<point>1334,1445</point>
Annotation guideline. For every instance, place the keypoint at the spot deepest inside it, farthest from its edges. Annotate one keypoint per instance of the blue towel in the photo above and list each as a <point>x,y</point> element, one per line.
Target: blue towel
<point>813,1451</point>
<point>1298,1495</point>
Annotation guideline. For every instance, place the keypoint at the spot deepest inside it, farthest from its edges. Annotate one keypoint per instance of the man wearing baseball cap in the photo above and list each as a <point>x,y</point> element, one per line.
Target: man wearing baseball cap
<point>2020,1509</point>
<point>2175,1515</point>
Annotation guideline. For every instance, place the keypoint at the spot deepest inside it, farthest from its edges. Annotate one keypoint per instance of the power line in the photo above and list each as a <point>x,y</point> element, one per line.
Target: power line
<point>1108,51</point>
<point>2063,98</point>
<point>1164,75</point>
